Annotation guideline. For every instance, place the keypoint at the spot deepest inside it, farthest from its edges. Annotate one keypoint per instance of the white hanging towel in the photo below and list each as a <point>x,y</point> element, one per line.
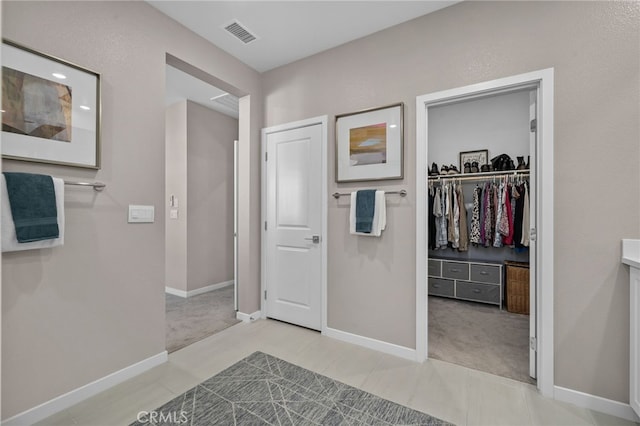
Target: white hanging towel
<point>9,239</point>
<point>379,215</point>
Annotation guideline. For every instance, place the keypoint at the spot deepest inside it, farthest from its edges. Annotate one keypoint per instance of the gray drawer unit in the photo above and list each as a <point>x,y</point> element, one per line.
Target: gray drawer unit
<point>486,273</point>
<point>441,287</point>
<point>434,267</point>
<point>480,292</point>
<point>466,279</point>
<point>456,270</point>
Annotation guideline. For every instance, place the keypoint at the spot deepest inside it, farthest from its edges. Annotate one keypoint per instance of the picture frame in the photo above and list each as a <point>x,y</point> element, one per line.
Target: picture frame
<point>481,156</point>
<point>370,144</point>
<point>51,109</point>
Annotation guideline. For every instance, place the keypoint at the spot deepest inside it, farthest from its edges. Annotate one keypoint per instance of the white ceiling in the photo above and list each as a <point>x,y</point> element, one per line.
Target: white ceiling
<point>287,31</point>
<point>291,30</point>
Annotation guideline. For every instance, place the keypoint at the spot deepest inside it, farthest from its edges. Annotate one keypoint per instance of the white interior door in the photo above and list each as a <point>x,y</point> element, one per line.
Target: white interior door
<point>294,254</point>
<point>235,225</point>
<point>533,305</point>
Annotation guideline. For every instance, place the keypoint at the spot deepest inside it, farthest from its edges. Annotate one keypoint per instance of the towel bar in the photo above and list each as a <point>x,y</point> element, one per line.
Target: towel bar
<point>97,186</point>
<point>402,192</point>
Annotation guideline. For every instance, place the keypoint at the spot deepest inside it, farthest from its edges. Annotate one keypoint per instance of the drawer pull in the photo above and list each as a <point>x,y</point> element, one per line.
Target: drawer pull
<point>476,290</point>
<point>484,273</point>
<point>454,270</point>
<point>436,285</point>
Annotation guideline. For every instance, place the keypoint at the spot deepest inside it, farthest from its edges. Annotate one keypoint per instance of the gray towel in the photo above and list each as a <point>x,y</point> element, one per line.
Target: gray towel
<point>33,206</point>
<point>365,208</point>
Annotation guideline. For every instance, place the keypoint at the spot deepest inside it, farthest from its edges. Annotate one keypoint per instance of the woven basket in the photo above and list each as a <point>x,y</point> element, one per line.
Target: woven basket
<point>517,287</point>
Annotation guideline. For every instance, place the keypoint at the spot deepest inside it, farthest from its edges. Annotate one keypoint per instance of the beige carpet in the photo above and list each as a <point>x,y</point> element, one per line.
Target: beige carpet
<point>479,336</point>
<point>194,318</point>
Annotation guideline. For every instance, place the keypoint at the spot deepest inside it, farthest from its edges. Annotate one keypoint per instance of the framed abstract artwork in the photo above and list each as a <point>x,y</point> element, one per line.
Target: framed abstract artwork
<point>50,109</point>
<point>369,144</point>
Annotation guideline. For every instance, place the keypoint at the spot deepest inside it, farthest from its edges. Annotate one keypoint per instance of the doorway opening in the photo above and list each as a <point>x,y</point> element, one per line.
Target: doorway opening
<point>479,283</point>
<point>479,258</point>
<point>201,191</point>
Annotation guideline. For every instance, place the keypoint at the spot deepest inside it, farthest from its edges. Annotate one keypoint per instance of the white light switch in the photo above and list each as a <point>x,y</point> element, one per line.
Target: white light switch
<point>141,214</point>
<point>173,214</point>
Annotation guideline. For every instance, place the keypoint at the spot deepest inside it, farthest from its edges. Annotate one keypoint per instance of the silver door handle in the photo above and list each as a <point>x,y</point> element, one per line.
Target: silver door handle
<point>315,239</point>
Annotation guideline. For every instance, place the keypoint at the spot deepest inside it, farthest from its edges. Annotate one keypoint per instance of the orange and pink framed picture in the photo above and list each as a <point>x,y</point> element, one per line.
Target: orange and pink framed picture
<point>50,109</point>
<point>369,144</point>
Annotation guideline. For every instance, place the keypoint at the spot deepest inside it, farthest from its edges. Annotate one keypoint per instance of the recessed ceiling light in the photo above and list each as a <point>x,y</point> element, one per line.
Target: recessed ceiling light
<point>59,75</point>
<point>84,107</point>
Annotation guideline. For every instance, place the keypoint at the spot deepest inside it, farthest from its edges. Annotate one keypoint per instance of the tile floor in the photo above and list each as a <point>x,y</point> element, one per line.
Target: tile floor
<point>450,392</point>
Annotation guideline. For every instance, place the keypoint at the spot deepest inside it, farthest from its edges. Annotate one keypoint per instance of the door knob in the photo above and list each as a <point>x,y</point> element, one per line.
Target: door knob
<point>315,239</point>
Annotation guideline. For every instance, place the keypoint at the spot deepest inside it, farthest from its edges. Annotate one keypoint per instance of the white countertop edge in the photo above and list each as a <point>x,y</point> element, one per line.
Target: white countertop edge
<point>631,253</point>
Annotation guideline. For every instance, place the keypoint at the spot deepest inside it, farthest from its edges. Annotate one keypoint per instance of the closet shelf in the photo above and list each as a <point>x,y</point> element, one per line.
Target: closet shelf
<point>480,175</point>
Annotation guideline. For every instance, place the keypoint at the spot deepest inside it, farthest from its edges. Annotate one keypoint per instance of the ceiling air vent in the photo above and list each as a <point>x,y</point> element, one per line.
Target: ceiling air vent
<point>240,32</point>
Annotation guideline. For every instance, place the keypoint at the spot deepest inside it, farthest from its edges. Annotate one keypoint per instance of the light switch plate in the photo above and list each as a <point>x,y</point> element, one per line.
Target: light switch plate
<point>141,214</point>
<point>173,214</point>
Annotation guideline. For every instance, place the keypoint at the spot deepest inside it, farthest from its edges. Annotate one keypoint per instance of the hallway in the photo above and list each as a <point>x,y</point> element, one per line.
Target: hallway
<point>195,318</point>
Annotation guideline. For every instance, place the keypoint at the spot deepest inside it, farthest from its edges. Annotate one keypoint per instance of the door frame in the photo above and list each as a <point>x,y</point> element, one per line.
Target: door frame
<point>323,122</point>
<point>543,80</point>
<point>235,225</point>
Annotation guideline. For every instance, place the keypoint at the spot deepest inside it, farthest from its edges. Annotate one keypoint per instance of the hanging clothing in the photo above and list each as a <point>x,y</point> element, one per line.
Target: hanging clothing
<point>474,237</point>
<point>441,219</point>
<point>498,216</point>
<point>508,239</point>
<point>498,197</point>
<point>526,226</point>
<point>431,219</point>
<point>450,213</point>
<point>503,225</point>
<point>489,211</point>
<point>456,217</point>
<point>464,235</point>
<point>517,219</point>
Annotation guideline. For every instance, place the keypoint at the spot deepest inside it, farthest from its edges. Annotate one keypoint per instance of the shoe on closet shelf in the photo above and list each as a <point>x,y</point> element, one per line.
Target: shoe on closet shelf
<point>444,170</point>
<point>520,165</point>
<point>485,168</point>
<point>528,159</point>
<point>467,167</point>
<point>474,167</point>
<point>453,170</point>
<point>434,170</point>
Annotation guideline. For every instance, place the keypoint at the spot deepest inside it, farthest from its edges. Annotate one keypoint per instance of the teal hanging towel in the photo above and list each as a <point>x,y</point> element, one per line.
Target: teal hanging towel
<point>365,208</point>
<point>33,206</point>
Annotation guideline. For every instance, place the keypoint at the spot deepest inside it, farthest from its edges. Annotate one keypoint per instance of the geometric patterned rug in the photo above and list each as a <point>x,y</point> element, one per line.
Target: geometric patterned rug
<point>264,390</point>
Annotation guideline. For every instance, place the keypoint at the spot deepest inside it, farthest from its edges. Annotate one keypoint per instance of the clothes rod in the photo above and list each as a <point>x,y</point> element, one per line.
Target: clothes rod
<point>97,186</point>
<point>481,175</point>
<point>402,192</point>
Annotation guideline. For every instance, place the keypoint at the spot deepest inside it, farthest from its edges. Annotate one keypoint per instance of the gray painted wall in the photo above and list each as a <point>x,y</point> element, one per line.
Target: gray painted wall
<point>499,124</point>
<point>593,47</point>
<point>77,313</point>
<point>210,137</point>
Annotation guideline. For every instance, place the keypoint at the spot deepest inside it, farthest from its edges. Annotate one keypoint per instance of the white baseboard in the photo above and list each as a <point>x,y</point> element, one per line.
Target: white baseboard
<point>75,396</point>
<point>378,345</point>
<point>248,317</point>
<point>596,403</point>
<point>198,291</point>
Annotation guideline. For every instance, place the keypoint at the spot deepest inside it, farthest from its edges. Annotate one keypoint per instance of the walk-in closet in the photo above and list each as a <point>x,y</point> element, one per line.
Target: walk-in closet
<point>480,203</point>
